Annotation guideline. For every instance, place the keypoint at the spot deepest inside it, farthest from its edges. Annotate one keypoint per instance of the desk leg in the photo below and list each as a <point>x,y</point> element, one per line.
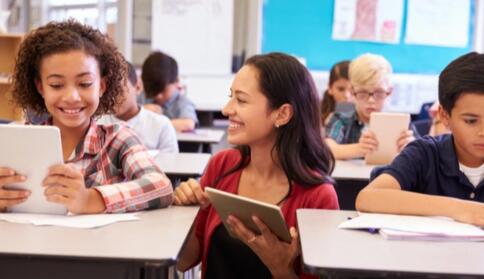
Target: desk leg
<point>207,148</point>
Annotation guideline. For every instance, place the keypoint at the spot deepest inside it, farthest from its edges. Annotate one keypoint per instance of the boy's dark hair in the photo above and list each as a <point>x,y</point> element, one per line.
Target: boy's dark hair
<point>463,75</point>
<point>338,71</point>
<point>62,37</point>
<point>132,76</point>
<point>301,150</point>
<point>157,72</point>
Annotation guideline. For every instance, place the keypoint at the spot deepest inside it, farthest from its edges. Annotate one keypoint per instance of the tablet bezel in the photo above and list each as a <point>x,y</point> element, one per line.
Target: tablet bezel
<point>30,150</point>
<point>387,128</point>
<point>244,208</point>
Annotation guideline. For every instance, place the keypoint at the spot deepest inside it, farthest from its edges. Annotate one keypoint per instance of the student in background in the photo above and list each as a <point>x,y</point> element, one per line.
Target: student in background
<point>160,81</point>
<point>442,176</point>
<point>347,134</point>
<point>339,90</point>
<point>75,73</point>
<point>155,130</point>
<point>280,159</point>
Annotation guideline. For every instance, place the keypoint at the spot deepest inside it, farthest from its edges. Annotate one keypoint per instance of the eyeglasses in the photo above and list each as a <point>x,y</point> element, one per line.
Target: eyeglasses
<point>365,95</point>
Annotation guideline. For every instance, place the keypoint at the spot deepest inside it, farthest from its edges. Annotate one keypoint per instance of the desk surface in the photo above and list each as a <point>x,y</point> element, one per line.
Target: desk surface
<point>326,248</point>
<point>201,135</point>
<point>352,169</point>
<point>157,237</point>
<point>185,164</point>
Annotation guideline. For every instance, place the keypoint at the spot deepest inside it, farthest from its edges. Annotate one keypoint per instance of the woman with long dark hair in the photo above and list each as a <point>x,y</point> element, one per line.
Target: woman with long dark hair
<point>280,159</point>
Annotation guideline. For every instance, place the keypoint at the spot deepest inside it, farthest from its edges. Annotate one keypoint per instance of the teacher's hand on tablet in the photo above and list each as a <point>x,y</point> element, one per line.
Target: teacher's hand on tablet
<point>11,197</point>
<point>64,184</point>
<point>189,193</point>
<point>276,254</point>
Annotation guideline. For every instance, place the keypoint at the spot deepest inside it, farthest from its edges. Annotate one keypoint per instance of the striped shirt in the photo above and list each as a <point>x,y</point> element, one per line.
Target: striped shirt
<point>115,162</point>
<point>344,127</point>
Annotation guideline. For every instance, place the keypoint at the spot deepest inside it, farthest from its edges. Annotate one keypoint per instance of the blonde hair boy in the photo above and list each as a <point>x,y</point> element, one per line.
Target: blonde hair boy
<point>370,78</point>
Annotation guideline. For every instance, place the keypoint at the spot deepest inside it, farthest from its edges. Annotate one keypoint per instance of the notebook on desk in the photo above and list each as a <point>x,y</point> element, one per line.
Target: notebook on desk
<point>405,227</point>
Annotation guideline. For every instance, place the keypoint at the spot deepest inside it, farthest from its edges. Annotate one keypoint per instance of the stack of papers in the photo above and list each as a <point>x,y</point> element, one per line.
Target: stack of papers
<point>403,227</point>
<point>72,221</point>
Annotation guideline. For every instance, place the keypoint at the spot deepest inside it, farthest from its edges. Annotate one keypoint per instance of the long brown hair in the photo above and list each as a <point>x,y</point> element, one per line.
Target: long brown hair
<point>303,154</point>
<point>328,104</point>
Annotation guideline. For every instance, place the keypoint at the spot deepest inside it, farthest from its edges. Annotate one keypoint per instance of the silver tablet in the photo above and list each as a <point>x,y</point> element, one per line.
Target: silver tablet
<point>244,208</point>
<point>387,128</point>
<point>31,150</point>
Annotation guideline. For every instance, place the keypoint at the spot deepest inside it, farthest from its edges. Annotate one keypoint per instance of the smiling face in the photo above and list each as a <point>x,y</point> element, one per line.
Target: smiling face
<point>71,86</point>
<point>251,119</point>
<point>466,121</point>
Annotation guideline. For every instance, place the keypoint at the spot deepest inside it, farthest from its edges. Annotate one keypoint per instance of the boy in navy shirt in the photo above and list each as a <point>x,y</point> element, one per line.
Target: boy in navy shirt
<point>440,176</point>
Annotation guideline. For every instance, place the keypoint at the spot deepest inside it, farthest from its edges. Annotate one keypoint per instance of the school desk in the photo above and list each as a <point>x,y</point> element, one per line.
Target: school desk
<point>329,251</point>
<point>350,176</point>
<point>182,166</point>
<point>203,137</point>
<point>147,248</point>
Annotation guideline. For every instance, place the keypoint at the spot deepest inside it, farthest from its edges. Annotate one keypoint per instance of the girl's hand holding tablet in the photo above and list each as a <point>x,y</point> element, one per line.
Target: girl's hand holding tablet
<point>10,197</point>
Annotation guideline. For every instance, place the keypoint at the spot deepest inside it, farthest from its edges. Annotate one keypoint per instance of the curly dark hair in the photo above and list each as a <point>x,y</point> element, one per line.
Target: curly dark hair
<point>61,37</point>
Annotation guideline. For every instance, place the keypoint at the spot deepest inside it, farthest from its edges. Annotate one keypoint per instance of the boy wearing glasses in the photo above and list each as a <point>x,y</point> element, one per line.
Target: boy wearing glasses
<point>441,176</point>
<point>346,134</point>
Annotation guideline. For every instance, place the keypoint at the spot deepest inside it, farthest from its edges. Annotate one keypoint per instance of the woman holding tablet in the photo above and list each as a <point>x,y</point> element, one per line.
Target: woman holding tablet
<point>74,73</point>
<point>280,159</point>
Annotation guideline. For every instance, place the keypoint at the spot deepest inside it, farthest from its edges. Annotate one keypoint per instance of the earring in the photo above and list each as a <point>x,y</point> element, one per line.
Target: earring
<point>277,125</point>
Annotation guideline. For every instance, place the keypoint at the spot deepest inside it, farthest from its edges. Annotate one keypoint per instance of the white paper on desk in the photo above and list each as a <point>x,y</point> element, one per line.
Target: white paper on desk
<point>428,226</point>
<point>71,221</point>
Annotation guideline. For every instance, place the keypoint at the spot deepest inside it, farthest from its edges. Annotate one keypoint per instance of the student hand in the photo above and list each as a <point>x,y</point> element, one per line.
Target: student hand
<point>367,143</point>
<point>65,185</point>
<point>405,138</point>
<point>276,254</point>
<point>469,212</point>
<point>190,192</point>
<point>10,197</point>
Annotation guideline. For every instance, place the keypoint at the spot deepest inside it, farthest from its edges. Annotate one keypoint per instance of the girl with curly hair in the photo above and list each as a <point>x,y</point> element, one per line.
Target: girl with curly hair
<point>74,73</point>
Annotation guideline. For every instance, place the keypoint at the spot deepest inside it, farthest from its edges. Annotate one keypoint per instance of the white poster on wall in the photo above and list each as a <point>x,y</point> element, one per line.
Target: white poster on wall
<point>197,33</point>
<point>368,20</point>
<point>438,22</point>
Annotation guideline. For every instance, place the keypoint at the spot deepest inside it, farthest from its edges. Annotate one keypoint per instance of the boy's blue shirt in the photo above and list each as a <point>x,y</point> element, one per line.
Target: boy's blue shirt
<point>179,106</point>
<point>429,165</point>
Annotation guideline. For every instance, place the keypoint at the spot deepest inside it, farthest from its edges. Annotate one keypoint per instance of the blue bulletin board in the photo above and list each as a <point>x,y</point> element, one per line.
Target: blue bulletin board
<point>304,28</point>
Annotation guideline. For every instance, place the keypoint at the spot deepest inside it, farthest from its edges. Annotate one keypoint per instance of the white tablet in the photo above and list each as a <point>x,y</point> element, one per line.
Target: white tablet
<point>244,208</point>
<point>31,150</point>
<point>387,128</point>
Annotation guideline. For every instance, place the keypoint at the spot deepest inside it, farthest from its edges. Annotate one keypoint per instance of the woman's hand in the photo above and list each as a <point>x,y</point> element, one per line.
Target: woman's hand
<point>11,197</point>
<point>190,193</point>
<point>65,185</point>
<point>276,254</point>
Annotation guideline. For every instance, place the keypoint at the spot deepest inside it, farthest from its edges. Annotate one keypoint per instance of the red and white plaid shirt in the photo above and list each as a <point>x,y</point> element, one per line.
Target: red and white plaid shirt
<point>115,162</point>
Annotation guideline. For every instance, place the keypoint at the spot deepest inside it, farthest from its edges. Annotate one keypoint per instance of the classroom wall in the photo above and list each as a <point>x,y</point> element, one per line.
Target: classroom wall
<point>304,29</point>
